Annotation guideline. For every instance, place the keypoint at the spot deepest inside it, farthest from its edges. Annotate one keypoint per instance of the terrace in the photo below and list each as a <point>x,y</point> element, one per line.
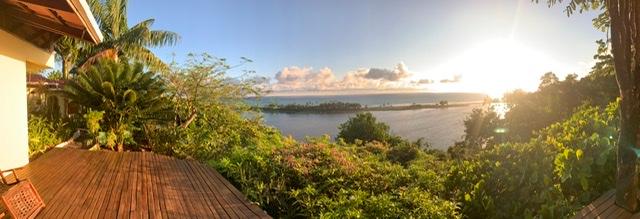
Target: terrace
<point>605,207</point>
<point>77,183</point>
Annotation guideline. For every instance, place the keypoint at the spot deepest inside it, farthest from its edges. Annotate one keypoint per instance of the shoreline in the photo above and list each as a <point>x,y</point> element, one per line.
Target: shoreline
<point>314,110</point>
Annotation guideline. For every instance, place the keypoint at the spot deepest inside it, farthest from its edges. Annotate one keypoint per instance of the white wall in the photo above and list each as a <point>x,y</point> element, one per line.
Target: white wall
<point>14,142</point>
<point>16,48</point>
<point>16,58</point>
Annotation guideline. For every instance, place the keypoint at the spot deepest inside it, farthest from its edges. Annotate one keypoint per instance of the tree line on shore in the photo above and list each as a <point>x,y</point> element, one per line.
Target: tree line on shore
<point>343,107</point>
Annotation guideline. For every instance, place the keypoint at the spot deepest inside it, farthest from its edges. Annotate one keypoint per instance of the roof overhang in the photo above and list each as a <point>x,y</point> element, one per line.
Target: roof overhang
<point>42,22</point>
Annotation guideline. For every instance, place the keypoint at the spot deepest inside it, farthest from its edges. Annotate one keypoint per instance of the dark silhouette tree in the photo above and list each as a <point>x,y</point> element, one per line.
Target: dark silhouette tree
<point>548,79</point>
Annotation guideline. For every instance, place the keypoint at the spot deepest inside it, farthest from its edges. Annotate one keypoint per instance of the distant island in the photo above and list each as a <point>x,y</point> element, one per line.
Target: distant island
<point>342,107</point>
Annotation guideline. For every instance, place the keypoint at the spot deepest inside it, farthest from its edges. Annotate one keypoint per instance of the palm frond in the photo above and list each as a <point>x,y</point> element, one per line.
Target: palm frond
<point>120,41</point>
<point>143,55</point>
<point>159,38</point>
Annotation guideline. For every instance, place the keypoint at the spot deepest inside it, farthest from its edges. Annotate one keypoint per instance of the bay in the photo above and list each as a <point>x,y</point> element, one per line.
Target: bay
<point>441,127</point>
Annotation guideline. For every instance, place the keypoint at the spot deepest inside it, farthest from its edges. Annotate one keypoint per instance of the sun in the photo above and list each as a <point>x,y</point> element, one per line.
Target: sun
<point>498,66</point>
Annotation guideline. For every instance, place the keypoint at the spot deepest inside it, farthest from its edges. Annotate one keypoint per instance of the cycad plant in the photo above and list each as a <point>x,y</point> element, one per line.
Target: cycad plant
<point>128,95</point>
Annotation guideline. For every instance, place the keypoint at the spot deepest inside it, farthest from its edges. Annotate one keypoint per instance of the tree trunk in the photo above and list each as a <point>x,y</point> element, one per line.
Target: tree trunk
<point>66,68</point>
<point>627,175</point>
<point>625,39</point>
<point>191,118</point>
<point>120,147</point>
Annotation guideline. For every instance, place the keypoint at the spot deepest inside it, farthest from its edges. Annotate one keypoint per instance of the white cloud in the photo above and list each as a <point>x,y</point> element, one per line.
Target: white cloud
<point>295,78</point>
<point>455,79</point>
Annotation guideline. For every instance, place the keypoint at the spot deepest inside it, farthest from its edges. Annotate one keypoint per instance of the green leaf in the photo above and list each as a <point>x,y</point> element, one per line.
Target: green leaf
<point>102,138</point>
<point>579,154</point>
<point>130,96</point>
<point>109,89</point>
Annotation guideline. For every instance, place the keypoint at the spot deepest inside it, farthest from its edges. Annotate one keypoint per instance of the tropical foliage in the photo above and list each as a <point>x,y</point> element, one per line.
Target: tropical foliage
<point>552,153</point>
<point>209,108</point>
<point>569,164</point>
<point>201,83</point>
<point>363,127</point>
<point>128,95</point>
<point>42,135</point>
<point>333,180</point>
<point>130,43</point>
<point>121,41</point>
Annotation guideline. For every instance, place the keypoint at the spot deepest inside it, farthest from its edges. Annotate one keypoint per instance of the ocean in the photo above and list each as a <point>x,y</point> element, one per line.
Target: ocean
<point>440,127</point>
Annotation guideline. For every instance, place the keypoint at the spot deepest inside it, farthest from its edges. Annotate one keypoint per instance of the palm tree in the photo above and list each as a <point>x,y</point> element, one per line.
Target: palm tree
<point>128,95</point>
<point>120,41</point>
<point>68,51</point>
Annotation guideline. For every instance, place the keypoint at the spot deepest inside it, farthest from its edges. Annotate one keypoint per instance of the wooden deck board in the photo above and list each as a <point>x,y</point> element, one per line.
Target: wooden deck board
<point>157,192</point>
<point>86,188</point>
<point>219,197</point>
<point>96,201</point>
<point>84,184</point>
<point>196,200</point>
<point>604,207</point>
<point>214,205</point>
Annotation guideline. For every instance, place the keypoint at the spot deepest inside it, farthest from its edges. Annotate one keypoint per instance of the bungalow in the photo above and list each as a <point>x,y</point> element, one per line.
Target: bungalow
<point>45,96</point>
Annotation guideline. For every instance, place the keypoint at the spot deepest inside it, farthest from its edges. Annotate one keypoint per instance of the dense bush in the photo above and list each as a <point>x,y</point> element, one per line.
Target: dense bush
<point>214,134</point>
<point>365,127</point>
<point>42,135</point>
<point>568,165</point>
<point>403,153</point>
<point>325,179</point>
<point>211,116</point>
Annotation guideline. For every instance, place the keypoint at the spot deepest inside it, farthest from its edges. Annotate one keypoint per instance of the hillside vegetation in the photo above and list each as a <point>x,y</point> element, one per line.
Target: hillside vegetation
<point>548,156</point>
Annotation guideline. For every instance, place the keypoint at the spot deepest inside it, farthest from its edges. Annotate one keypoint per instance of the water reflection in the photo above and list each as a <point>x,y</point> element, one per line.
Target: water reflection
<point>440,127</point>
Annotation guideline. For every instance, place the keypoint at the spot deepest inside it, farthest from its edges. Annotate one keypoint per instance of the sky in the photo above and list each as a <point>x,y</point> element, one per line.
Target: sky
<point>361,46</point>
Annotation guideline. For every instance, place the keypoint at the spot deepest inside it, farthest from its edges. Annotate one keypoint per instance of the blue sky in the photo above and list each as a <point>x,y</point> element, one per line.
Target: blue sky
<point>329,40</point>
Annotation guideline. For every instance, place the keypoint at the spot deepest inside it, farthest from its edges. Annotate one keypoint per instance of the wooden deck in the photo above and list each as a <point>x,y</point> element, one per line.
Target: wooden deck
<point>83,184</point>
<point>605,207</point>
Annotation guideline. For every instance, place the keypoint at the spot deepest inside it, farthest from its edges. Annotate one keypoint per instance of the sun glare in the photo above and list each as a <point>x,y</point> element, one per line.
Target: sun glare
<point>498,66</point>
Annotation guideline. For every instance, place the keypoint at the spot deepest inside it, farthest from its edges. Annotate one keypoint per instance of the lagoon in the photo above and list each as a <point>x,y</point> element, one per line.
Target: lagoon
<point>441,127</point>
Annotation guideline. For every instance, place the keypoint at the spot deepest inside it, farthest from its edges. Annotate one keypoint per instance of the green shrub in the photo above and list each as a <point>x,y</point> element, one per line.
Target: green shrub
<point>403,153</point>
<point>568,165</point>
<point>217,132</point>
<point>323,179</point>
<point>42,135</point>
<point>363,127</point>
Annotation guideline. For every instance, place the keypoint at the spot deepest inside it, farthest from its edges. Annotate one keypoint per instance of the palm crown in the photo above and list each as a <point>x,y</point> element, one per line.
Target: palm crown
<point>120,41</point>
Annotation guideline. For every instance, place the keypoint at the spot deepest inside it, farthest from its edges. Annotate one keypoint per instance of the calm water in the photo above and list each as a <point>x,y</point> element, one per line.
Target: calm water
<point>372,99</point>
<point>440,127</point>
